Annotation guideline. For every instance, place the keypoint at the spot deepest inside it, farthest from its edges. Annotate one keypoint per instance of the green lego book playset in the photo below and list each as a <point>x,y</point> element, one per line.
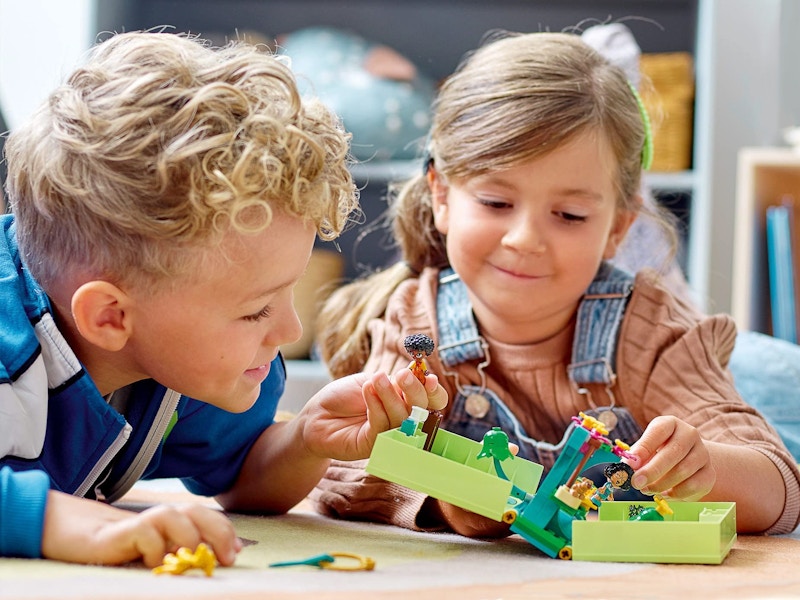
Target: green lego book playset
<point>487,479</point>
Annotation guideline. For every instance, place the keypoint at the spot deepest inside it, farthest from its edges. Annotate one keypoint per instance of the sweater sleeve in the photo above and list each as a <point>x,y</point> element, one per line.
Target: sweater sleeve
<point>672,361</point>
<point>347,491</point>
<point>23,497</point>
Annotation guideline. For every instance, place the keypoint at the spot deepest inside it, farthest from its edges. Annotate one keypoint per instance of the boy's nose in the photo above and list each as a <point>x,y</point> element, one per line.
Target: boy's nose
<point>288,328</point>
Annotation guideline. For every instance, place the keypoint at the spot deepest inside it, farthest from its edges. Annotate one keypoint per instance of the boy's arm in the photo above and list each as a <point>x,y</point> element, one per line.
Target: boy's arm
<point>38,522</point>
<point>341,421</point>
<point>23,496</point>
<point>86,531</point>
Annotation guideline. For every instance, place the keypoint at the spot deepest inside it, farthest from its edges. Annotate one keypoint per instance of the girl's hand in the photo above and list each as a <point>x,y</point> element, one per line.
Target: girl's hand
<point>86,531</point>
<point>464,522</point>
<point>671,459</point>
<point>344,418</point>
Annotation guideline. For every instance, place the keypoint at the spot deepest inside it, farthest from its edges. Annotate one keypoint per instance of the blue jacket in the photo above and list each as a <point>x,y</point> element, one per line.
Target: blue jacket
<point>54,421</point>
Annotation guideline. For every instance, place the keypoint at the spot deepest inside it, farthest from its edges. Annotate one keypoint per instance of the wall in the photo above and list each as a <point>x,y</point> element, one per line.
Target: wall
<point>40,42</point>
<point>748,91</point>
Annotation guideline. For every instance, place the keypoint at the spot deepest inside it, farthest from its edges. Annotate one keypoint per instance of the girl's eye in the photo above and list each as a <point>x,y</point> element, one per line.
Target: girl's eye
<point>262,314</point>
<point>570,217</point>
<point>493,203</point>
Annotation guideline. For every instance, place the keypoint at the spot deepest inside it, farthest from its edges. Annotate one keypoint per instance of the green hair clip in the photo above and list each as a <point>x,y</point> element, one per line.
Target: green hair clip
<point>647,149</point>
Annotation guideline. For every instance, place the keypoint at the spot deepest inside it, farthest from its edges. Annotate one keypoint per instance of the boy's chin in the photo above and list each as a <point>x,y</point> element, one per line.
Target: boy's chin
<point>236,402</point>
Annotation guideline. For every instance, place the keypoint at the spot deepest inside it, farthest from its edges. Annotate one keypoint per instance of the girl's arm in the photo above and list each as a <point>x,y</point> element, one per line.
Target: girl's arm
<point>673,460</point>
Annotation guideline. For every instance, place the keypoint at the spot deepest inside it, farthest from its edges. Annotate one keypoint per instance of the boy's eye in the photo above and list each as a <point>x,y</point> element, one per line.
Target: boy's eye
<point>262,314</point>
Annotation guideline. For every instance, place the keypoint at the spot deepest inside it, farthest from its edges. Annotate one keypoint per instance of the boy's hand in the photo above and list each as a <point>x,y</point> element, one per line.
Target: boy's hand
<point>85,531</point>
<point>343,419</point>
<point>671,459</point>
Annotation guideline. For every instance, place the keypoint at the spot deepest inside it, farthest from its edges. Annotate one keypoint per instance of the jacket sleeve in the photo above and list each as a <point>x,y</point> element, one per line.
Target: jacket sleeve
<point>23,497</point>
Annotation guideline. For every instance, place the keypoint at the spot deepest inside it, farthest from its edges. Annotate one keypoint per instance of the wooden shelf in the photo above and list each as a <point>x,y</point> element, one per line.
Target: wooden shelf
<point>764,176</point>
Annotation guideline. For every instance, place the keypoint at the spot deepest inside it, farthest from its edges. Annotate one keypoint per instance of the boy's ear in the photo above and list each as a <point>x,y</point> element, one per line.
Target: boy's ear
<point>100,312</point>
<point>622,223</point>
<point>438,189</point>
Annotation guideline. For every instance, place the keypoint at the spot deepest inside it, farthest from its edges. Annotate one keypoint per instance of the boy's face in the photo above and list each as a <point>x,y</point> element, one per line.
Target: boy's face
<point>528,240</point>
<point>214,339</point>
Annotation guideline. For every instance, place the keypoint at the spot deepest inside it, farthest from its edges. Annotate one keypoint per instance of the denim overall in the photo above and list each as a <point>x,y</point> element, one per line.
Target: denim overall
<point>476,409</point>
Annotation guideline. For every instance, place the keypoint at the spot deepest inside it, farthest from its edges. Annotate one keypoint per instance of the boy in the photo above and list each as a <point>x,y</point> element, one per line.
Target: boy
<point>165,202</point>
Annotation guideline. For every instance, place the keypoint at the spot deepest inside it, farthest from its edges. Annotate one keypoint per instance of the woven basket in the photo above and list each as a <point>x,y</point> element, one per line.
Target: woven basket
<point>668,93</point>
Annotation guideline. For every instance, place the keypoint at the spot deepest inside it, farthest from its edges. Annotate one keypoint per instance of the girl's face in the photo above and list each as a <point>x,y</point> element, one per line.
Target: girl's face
<point>214,338</point>
<point>527,241</point>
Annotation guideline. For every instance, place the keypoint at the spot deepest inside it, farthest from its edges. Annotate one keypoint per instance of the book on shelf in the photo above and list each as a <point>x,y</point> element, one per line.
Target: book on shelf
<point>781,248</point>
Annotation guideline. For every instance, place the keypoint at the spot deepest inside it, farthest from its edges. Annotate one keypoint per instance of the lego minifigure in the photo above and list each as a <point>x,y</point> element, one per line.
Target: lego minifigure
<point>618,476</point>
<point>418,346</point>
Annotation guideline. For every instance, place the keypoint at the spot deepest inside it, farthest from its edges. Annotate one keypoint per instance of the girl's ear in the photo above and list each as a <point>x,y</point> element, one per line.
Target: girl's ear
<point>438,189</point>
<point>622,223</point>
<point>100,312</point>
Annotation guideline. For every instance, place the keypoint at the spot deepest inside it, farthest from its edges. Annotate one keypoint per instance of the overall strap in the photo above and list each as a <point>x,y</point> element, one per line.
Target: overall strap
<point>599,318</point>
<point>459,339</point>
<point>597,329</point>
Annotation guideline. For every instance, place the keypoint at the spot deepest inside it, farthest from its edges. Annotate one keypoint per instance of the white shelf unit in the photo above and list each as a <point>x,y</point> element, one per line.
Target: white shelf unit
<point>304,378</point>
<point>764,177</point>
<point>386,171</point>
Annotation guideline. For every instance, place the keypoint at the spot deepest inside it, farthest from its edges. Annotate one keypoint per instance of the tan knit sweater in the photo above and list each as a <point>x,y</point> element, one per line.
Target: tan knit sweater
<point>670,361</point>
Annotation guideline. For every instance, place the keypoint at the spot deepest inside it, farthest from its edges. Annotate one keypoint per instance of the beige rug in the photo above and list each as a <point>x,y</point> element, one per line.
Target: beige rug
<point>408,565</point>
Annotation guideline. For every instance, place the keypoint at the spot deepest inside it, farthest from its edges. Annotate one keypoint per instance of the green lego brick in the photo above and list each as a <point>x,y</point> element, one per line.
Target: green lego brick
<point>451,471</point>
<point>697,533</point>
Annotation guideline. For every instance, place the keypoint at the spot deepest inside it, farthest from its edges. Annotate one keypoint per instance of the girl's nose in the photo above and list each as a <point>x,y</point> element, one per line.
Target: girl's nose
<point>525,236</point>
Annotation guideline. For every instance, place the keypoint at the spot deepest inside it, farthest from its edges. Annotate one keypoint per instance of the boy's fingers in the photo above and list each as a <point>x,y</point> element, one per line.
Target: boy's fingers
<point>166,528</point>
<point>392,401</point>
<point>437,395</point>
<point>175,530</point>
<point>377,417</point>
<point>218,531</point>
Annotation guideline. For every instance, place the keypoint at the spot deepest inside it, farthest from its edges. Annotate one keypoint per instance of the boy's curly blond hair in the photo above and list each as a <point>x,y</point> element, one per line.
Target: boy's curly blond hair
<point>160,144</point>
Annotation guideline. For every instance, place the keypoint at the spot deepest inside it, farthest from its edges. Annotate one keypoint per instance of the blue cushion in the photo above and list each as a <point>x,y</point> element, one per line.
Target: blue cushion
<point>766,371</point>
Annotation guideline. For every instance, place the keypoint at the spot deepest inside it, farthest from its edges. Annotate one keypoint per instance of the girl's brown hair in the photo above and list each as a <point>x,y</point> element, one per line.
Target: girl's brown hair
<point>515,98</point>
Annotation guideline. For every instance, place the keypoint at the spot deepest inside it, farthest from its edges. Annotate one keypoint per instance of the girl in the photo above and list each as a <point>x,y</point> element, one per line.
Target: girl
<point>536,152</point>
